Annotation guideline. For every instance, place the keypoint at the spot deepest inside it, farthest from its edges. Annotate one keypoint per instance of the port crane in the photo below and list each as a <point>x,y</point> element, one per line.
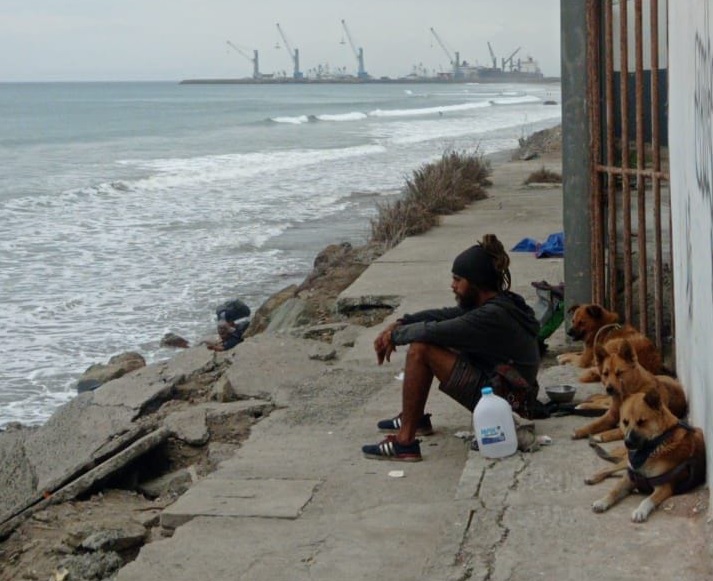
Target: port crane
<point>455,62</point>
<point>358,53</point>
<point>509,59</point>
<point>294,54</point>
<point>253,59</point>
<point>492,56</point>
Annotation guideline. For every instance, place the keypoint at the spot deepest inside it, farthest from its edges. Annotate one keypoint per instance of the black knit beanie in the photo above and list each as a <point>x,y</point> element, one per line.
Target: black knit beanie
<point>476,266</point>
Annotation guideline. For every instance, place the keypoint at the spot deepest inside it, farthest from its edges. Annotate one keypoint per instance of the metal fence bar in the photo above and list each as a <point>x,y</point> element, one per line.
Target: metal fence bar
<point>640,165</point>
<point>594,16</point>
<point>611,152</point>
<point>650,174</point>
<point>626,182</point>
<point>656,182</point>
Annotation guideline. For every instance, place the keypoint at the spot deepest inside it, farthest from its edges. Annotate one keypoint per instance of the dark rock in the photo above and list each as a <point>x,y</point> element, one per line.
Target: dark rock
<point>87,385</point>
<point>173,340</point>
<point>118,366</point>
<point>92,566</point>
<point>129,535</point>
<point>175,483</point>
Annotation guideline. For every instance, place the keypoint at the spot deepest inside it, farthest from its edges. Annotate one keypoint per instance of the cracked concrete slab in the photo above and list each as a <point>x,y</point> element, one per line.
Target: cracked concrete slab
<point>266,498</point>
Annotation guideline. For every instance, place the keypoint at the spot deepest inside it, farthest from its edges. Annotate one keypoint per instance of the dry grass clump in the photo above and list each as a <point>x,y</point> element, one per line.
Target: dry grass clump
<point>399,219</point>
<point>441,187</point>
<point>544,176</point>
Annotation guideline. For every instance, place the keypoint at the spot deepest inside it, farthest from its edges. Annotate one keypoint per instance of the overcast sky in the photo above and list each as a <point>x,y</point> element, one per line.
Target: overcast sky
<point>91,40</point>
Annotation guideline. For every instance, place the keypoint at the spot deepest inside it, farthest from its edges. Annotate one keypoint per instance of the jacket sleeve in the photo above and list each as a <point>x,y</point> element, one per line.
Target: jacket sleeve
<point>433,315</point>
<point>468,331</point>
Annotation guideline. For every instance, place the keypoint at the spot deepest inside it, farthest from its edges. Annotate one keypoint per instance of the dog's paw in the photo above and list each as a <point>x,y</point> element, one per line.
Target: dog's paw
<point>600,505</point>
<point>594,440</point>
<point>577,435</point>
<point>641,514</point>
<point>590,376</point>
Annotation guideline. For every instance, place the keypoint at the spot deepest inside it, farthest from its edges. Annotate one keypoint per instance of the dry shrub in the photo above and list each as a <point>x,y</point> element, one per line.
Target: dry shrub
<point>399,219</point>
<point>544,176</point>
<point>441,187</point>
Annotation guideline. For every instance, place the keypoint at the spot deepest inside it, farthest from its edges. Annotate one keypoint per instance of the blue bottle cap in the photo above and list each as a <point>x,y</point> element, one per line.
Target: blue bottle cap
<point>487,391</point>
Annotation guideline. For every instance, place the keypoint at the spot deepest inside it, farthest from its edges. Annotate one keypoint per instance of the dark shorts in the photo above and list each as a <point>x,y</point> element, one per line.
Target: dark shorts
<point>466,382</point>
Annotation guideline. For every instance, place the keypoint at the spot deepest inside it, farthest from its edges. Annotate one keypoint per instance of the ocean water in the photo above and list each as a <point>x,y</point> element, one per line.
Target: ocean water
<point>128,210</point>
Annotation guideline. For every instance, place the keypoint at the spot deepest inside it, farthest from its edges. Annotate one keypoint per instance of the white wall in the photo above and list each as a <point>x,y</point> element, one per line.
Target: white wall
<point>691,151</point>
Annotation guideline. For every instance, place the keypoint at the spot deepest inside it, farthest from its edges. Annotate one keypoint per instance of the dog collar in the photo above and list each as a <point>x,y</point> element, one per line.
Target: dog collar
<point>637,458</point>
<point>616,326</point>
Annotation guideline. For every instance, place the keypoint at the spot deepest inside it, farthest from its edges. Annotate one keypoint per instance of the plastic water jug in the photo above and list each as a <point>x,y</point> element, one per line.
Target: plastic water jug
<point>494,426</point>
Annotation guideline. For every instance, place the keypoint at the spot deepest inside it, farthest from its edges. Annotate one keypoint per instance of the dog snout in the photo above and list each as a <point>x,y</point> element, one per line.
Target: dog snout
<point>633,441</point>
<point>575,333</point>
<point>610,389</point>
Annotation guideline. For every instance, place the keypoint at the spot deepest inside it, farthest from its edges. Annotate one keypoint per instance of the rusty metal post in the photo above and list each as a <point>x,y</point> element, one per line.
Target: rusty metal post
<point>576,161</point>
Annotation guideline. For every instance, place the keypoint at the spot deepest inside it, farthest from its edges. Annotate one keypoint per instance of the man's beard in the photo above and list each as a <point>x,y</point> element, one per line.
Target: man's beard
<point>467,301</point>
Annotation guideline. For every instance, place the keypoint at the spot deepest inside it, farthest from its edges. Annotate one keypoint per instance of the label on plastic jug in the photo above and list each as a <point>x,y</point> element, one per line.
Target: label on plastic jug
<point>492,435</point>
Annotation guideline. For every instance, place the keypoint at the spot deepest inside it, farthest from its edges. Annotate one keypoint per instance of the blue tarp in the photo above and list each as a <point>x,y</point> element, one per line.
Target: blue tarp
<point>553,246</point>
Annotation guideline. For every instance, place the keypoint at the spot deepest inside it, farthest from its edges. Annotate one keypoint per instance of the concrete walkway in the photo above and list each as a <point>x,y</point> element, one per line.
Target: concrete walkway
<point>298,501</point>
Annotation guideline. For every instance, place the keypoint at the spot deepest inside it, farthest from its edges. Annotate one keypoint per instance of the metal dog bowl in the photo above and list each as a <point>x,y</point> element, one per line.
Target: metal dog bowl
<point>561,393</point>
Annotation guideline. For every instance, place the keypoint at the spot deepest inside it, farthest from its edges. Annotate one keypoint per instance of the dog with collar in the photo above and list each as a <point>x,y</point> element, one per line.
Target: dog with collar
<point>595,325</point>
<point>622,375</point>
<point>665,456</point>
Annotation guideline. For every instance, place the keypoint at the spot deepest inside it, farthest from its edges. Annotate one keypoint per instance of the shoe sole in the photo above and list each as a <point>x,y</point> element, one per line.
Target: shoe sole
<point>393,458</point>
<point>419,432</point>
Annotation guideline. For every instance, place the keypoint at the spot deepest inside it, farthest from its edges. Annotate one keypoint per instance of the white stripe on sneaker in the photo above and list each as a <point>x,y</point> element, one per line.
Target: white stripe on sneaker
<point>387,448</point>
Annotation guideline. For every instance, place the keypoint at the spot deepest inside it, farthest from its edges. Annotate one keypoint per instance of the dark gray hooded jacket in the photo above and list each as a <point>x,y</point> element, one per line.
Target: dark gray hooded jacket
<point>503,330</point>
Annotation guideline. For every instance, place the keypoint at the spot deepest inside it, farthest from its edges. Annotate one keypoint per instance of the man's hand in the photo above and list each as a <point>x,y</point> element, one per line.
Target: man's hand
<point>383,345</point>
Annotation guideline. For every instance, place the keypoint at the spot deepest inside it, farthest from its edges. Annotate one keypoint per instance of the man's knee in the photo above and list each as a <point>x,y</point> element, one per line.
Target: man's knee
<point>419,351</point>
<point>438,359</point>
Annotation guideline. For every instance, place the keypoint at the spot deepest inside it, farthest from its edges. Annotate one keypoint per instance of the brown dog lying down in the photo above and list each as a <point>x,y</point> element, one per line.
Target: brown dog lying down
<point>622,375</point>
<point>665,456</point>
<point>594,324</point>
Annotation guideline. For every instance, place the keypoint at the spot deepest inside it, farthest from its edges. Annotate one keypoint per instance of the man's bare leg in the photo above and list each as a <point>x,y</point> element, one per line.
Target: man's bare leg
<point>423,362</point>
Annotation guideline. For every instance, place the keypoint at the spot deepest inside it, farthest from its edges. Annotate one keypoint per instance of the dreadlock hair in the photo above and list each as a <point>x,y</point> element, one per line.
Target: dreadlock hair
<point>500,258</point>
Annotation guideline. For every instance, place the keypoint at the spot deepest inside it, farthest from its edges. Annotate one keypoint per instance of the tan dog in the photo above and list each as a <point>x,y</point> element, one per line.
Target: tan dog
<point>622,375</point>
<point>665,457</point>
<point>595,325</point>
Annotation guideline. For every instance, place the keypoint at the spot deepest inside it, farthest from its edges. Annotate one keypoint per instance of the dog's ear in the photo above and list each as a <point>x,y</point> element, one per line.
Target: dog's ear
<point>653,399</point>
<point>600,354</point>
<point>595,311</point>
<point>572,309</point>
<point>627,352</point>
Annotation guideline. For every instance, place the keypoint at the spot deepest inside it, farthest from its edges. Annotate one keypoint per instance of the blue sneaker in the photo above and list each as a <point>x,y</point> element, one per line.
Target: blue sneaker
<point>390,449</point>
<point>424,427</point>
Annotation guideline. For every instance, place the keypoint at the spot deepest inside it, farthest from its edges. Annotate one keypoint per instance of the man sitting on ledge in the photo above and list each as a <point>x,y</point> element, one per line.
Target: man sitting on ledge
<point>490,338</point>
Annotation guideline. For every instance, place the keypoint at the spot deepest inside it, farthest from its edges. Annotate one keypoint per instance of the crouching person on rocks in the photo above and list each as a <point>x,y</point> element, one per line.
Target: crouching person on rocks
<point>490,338</point>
